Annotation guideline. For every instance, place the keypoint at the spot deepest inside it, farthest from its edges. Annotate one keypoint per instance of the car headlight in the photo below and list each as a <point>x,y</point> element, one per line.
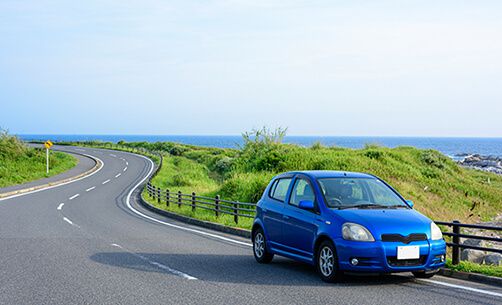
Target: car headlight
<point>435,232</point>
<point>353,231</point>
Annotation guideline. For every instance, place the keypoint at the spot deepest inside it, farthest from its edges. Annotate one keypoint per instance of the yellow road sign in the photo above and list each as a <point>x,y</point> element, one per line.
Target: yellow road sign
<point>48,144</point>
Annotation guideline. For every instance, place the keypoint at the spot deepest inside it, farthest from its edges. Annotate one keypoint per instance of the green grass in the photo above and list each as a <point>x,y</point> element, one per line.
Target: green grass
<point>475,268</point>
<point>20,164</point>
<point>440,188</point>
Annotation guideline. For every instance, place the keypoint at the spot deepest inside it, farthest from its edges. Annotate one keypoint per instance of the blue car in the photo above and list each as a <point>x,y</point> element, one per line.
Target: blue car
<point>345,222</point>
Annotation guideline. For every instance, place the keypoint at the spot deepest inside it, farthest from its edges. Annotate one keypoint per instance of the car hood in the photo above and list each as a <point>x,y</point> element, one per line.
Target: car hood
<point>387,221</point>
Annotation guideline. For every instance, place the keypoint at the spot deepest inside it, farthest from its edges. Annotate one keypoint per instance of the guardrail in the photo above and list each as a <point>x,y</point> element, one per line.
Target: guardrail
<point>245,209</point>
<point>456,235</point>
<point>216,204</point>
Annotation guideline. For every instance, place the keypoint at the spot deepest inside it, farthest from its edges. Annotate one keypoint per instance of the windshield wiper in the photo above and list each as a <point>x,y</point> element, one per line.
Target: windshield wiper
<point>363,206</point>
<point>371,206</point>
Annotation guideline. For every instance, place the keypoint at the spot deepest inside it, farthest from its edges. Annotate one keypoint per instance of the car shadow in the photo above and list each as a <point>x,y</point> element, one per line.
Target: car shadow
<point>241,269</point>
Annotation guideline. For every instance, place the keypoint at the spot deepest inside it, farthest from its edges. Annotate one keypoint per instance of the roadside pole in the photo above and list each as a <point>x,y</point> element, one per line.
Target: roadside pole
<point>48,144</point>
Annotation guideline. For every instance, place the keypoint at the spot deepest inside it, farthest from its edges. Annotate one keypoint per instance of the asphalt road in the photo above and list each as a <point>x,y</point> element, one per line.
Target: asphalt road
<point>89,242</point>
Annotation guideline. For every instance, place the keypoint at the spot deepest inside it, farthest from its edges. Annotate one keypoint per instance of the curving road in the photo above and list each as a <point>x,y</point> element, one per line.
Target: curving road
<point>89,242</point>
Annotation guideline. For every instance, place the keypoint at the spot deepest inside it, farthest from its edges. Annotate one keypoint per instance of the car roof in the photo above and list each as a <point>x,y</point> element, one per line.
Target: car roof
<point>318,174</point>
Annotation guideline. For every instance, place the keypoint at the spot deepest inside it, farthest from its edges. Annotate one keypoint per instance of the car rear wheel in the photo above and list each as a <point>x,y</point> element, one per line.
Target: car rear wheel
<point>424,275</point>
<point>327,262</point>
<point>260,251</point>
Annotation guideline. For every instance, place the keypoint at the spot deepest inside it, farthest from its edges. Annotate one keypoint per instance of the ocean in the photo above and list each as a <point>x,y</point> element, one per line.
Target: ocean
<point>453,147</point>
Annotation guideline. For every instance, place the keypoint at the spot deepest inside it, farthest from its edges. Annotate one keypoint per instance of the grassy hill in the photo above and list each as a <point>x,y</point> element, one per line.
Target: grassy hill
<point>440,188</point>
<point>20,164</point>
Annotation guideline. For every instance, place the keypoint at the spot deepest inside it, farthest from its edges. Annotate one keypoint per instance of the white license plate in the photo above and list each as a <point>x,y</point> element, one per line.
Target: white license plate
<point>408,252</point>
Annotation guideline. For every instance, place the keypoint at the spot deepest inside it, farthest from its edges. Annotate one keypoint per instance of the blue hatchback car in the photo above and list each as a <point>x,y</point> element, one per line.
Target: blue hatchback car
<point>345,222</point>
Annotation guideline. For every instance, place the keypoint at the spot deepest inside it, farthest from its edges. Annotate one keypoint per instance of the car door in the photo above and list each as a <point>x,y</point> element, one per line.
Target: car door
<point>299,226</point>
<point>273,210</point>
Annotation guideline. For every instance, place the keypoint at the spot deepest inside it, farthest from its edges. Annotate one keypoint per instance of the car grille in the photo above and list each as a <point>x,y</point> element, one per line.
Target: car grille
<point>394,262</point>
<point>404,239</point>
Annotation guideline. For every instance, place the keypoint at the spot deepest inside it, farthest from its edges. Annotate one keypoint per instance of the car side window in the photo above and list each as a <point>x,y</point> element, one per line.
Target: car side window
<point>301,191</point>
<point>280,189</point>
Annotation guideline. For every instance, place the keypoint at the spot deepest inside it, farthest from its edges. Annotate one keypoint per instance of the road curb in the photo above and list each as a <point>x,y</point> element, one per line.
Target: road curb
<point>205,224</point>
<point>62,181</point>
<point>473,277</point>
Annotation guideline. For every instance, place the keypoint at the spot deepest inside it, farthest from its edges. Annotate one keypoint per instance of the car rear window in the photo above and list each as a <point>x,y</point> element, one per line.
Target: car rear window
<point>279,189</point>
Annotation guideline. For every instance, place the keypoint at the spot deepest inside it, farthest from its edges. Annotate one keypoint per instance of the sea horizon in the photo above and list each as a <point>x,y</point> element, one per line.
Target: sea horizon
<point>450,146</point>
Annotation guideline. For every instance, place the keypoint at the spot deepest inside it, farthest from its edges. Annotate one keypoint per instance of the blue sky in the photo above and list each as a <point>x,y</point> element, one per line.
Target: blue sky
<point>354,68</point>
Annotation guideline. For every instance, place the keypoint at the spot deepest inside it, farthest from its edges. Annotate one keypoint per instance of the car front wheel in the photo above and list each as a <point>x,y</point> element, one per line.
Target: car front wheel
<point>327,262</point>
<point>260,252</point>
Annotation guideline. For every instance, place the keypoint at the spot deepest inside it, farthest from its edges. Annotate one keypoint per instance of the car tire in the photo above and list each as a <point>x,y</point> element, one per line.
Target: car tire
<point>424,275</point>
<point>326,261</point>
<point>260,251</point>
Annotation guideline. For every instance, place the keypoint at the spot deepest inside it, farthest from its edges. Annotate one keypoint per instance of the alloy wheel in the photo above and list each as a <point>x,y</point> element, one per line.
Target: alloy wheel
<point>326,261</point>
<point>259,244</point>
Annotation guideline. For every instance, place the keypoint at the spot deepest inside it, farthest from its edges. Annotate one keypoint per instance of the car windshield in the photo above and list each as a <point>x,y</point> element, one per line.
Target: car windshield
<point>344,193</point>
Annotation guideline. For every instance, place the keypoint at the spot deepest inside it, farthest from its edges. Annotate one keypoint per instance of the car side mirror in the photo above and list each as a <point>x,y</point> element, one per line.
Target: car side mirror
<point>410,203</point>
<point>306,205</point>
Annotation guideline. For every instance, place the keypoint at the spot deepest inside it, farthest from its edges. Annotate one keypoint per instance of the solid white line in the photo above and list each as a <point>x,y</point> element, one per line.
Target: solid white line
<point>118,175</point>
<point>74,196</point>
<point>125,168</point>
<point>60,206</point>
<point>159,265</point>
<point>90,189</point>
<point>463,287</point>
<point>128,203</point>
<point>54,186</point>
<point>105,182</point>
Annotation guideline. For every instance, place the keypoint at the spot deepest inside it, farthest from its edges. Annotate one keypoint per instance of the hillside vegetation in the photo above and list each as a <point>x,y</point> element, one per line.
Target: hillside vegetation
<point>20,163</point>
<point>440,188</point>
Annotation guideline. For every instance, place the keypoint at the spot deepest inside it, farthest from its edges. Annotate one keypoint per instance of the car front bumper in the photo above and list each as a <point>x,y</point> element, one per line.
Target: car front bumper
<point>381,257</point>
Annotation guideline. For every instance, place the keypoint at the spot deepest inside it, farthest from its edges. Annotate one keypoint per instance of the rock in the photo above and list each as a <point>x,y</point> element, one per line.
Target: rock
<point>474,256</point>
<point>474,242</point>
<point>491,164</point>
<point>493,259</point>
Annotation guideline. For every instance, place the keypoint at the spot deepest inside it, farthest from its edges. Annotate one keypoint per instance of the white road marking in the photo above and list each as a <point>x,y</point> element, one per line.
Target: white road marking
<point>105,182</point>
<point>54,186</point>
<point>60,206</point>
<point>463,287</point>
<point>128,203</point>
<point>158,265</point>
<point>70,222</point>
<point>125,168</point>
<point>127,163</point>
<point>90,189</point>
<point>113,155</point>
<point>74,196</point>
<point>118,175</point>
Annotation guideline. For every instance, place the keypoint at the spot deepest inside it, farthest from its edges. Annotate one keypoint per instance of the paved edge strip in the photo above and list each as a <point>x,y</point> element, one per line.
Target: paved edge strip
<point>201,223</point>
<point>472,277</point>
<point>66,180</point>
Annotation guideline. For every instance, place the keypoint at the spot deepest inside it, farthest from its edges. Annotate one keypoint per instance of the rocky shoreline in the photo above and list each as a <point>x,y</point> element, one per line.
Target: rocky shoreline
<point>492,164</point>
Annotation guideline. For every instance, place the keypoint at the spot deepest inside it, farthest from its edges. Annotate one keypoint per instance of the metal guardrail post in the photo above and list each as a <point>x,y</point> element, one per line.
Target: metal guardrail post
<point>217,205</point>
<point>168,197</point>
<point>179,199</point>
<point>193,201</point>
<point>455,253</point>
<point>158,195</point>
<point>153,192</point>
<point>236,211</point>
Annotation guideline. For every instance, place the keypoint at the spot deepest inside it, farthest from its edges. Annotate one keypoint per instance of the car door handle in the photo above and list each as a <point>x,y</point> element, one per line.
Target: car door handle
<point>285,216</point>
